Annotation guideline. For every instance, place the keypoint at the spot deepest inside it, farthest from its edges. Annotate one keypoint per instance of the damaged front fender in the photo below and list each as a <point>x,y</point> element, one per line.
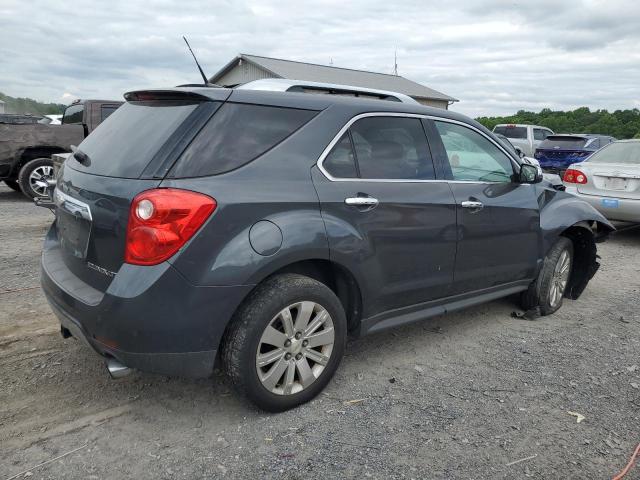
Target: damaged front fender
<point>562,214</point>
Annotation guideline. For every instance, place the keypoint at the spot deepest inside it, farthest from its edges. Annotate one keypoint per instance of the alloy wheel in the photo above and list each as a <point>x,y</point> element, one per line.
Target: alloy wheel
<point>295,348</point>
<point>38,179</point>
<point>560,278</point>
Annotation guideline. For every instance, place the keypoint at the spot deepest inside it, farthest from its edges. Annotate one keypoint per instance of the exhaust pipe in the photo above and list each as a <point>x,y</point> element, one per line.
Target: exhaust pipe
<point>116,369</point>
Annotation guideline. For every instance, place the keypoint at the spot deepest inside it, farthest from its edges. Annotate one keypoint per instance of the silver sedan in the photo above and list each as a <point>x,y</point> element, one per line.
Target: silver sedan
<point>609,180</point>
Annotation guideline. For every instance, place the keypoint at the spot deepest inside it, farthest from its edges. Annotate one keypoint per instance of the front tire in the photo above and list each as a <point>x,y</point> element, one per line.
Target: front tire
<point>32,174</point>
<point>548,290</point>
<point>285,342</point>
<point>13,185</point>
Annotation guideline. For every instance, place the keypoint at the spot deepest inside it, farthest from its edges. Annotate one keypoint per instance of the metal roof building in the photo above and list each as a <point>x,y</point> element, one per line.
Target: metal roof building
<point>246,68</point>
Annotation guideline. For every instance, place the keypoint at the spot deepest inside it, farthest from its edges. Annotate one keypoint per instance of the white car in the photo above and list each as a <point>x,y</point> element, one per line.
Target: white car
<point>609,180</point>
<point>525,137</point>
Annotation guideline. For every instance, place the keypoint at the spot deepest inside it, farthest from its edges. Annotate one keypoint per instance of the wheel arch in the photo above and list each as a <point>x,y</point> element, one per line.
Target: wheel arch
<point>33,153</point>
<point>585,257</point>
<point>335,276</point>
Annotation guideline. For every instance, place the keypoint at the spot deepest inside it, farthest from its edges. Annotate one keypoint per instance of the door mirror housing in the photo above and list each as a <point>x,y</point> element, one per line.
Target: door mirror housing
<point>529,174</point>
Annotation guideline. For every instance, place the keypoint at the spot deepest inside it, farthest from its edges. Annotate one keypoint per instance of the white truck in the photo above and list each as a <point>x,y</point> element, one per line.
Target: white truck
<point>523,137</point>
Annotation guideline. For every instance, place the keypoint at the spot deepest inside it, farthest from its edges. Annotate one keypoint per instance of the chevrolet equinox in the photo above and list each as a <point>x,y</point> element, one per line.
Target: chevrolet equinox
<point>260,229</point>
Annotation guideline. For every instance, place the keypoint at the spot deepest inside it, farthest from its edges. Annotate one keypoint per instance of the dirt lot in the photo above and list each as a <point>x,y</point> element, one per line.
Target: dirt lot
<point>462,396</point>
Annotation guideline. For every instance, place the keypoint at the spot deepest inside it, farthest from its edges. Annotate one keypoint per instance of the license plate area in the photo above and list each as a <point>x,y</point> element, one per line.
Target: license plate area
<point>615,183</point>
<point>73,219</point>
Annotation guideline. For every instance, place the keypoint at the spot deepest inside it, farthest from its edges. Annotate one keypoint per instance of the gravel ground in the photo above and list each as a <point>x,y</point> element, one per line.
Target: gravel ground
<point>475,394</point>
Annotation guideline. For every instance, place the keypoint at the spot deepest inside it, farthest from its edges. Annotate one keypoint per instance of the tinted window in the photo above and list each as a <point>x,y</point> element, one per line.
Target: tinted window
<point>236,135</point>
<point>539,134</point>
<point>106,110</point>
<point>73,114</point>
<point>472,156</point>
<point>627,153</point>
<point>392,148</point>
<point>511,131</point>
<point>127,141</point>
<point>340,162</point>
<point>563,142</point>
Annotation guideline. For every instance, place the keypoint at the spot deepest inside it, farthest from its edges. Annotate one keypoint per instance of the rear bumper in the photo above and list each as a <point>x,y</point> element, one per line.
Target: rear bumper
<point>150,318</point>
<point>628,210</point>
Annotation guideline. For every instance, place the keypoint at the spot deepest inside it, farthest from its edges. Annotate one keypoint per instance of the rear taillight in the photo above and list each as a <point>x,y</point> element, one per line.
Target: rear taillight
<point>161,221</point>
<point>574,176</point>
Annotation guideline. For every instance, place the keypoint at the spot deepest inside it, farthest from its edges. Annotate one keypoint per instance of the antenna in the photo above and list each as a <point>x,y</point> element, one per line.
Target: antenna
<point>204,77</point>
<point>395,62</point>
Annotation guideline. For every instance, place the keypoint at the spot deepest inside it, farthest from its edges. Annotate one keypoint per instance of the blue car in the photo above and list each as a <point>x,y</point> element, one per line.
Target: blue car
<point>557,152</point>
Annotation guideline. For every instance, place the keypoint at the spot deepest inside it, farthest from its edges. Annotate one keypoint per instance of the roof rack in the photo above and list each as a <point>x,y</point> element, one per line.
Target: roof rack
<point>301,86</point>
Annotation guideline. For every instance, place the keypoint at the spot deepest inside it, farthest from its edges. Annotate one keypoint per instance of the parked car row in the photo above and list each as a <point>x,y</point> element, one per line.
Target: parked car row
<point>600,170</point>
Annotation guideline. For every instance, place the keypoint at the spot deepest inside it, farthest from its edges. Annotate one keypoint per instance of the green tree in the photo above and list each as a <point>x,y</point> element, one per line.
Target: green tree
<point>619,124</point>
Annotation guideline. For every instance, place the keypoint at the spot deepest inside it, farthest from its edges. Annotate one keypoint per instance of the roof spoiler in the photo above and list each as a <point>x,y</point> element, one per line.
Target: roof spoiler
<point>165,95</point>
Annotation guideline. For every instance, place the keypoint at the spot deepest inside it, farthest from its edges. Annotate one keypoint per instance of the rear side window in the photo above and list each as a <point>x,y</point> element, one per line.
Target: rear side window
<point>382,148</point>
<point>392,148</point>
<point>73,114</point>
<point>511,131</point>
<point>341,163</point>
<point>236,135</point>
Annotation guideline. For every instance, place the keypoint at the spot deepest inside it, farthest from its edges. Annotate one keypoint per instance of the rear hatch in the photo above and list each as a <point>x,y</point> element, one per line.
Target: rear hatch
<point>613,171</point>
<point>560,151</point>
<point>130,152</point>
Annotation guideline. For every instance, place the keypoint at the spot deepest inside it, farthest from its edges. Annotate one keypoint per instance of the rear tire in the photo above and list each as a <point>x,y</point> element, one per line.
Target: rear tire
<point>547,291</point>
<point>32,171</point>
<point>13,185</point>
<point>279,360</point>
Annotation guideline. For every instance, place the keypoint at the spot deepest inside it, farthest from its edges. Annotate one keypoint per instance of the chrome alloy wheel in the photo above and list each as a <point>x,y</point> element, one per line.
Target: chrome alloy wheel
<point>295,348</point>
<point>560,278</point>
<point>38,179</point>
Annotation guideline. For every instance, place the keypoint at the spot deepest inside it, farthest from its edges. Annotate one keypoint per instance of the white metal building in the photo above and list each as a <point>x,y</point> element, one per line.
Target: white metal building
<point>246,68</point>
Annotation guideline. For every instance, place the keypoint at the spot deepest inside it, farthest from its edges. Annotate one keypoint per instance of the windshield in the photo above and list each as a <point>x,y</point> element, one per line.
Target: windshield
<point>124,144</point>
<point>627,153</point>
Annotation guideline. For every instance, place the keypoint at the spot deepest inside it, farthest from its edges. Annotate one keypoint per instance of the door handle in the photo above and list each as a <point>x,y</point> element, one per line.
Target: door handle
<point>361,201</point>
<point>474,205</point>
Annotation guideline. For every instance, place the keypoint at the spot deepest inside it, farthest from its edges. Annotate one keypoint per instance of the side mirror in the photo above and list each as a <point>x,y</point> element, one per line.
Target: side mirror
<point>529,174</point>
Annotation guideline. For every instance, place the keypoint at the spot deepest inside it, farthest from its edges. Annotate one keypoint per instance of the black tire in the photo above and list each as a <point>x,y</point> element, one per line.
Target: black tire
<point>13,185</point>
<point>26,171</point>
<point>540,292</point>
<point>243,336</point>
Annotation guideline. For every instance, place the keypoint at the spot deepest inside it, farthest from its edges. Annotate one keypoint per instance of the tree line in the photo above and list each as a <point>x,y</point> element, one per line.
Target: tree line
<point>30,106</point>
<point>620,124</point>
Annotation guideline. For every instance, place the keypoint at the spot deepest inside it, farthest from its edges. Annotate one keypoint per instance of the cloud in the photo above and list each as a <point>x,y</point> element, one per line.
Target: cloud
<point>495,56</point>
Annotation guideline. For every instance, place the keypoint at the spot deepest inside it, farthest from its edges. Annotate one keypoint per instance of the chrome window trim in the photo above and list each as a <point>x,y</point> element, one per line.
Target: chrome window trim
<point>351,121</point>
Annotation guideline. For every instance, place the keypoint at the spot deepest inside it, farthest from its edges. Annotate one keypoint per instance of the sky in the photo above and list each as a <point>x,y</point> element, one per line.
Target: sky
<point>496,56</point>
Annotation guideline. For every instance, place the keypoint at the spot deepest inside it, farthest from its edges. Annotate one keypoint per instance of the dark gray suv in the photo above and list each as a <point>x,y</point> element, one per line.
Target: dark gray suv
<point>263,228</point>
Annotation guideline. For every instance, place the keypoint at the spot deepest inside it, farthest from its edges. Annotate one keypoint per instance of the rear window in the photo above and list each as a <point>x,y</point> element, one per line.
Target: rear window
<point>511,131</point>
<point>627,153</point>
<point>125,143</point>
<point>560,142</point>
<point>236,135</point>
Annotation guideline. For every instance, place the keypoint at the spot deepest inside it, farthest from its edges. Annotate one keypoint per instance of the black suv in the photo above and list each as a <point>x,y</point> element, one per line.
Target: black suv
<point>263,228</point>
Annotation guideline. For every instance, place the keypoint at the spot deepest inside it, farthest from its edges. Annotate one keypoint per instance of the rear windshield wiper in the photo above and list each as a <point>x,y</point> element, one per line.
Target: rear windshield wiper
<point>80,156</point>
